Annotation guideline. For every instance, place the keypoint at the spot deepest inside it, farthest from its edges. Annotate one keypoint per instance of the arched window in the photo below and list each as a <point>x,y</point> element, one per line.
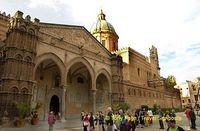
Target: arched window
<point>15,93</point>
<point>18,57</point>
<point>28,59</point>
<point>134,92</point>
<point>129,91</point>
<point>138,71</point>
<point>24,96</point>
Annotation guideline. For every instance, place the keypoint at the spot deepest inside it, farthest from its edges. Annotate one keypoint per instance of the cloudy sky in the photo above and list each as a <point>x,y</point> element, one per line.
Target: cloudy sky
<point>173,26</point>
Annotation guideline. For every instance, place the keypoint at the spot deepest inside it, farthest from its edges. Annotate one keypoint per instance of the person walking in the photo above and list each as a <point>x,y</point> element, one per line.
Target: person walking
<point>91,121</point>
<point>187,114</point>
<point>51,120</point>
<point>160,118</point>
<point>85,122</point>
<point>109,119</point>
<point>101,121</point>
<point>123,120</point>
<point>193,119</point>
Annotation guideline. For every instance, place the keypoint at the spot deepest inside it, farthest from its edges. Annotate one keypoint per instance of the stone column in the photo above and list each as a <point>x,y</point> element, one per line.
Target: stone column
<point>93,92</point>
<point>110,98</point>
<point>63,103</point>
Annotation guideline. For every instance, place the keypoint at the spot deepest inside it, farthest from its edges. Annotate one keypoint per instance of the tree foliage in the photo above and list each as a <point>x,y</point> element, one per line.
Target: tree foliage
<point>198,78</point>
<point>117,106</point>
<point>170,81</point>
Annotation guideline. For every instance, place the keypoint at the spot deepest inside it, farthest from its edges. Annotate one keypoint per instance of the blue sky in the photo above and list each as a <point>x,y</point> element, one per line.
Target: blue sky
<point>173,26</point>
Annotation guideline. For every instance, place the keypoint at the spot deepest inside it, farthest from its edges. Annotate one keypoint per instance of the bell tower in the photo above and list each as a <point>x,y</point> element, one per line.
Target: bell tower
<point>154,62</point>
<point>18,61</point>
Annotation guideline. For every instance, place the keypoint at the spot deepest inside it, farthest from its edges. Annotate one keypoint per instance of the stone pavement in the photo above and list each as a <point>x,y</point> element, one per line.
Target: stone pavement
<point>75,125</point>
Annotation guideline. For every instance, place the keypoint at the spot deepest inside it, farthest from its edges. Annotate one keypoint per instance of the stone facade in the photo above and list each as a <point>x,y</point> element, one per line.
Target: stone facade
<point>194,88</point>
<point>68,70</point>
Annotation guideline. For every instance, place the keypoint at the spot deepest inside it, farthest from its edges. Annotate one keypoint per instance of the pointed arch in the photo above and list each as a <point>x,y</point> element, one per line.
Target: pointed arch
<point>52,57</point>
<point>84,62</point>
<point>107,75</point>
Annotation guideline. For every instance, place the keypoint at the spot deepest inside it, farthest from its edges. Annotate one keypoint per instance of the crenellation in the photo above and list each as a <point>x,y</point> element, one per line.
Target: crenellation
<point>36,21</point>
<point>28,18</point>
<point>18,15</point>
<point>17,21</point>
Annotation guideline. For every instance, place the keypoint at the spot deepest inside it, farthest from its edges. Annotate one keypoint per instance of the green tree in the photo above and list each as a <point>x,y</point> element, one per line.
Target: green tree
<point>198,78</point>
<point>170,81</point>
<point>124,106</point>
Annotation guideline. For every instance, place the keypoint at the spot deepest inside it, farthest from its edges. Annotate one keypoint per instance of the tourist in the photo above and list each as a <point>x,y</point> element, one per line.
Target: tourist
<point>101,121</point>
<point>123,120</point>
<point>167,117</point>
<point>173,126</point>
<point>109,119</point>
<point>51,120</point>
<point>192,118</point>
<point>91,121</point>
<point>141,117</point>
<point>187,114</point>
<point>82,115</point>
<point>150,114</point>
<point>160,118</point>
<point>85,122</point>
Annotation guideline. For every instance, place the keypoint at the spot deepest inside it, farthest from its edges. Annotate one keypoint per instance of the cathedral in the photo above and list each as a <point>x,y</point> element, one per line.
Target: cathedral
<point>69,69</point>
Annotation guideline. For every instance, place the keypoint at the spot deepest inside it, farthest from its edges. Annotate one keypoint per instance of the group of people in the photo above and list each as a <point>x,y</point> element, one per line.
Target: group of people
<point>120,120</point>
<point>128,121</point>
<point>169,117</point>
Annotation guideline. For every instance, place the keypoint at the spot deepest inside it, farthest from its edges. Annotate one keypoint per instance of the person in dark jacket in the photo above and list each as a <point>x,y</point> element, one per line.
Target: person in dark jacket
<point>101,120</point>
<point>160,118</point>
<point>192,118</point>
<point>91,121</point>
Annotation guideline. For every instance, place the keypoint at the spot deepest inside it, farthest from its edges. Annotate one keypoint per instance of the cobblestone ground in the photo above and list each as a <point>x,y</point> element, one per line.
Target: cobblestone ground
<point>75,125</point>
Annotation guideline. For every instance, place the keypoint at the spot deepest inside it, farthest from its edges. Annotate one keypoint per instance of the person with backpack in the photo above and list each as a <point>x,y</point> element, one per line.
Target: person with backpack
<point>51,120</point>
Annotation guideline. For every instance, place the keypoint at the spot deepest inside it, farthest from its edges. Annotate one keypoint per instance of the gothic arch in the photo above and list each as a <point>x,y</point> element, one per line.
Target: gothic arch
<point>23,27</point>
<point>31,31</point>
<point>28,59</point>
<point>83,61</point>
<point>107,75</point>
<point>24,90</point>
<point>18,57</point>
<point>52,57</point>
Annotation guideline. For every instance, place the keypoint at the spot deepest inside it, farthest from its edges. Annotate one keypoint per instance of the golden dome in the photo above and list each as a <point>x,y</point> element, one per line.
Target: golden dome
<point>102,25</point>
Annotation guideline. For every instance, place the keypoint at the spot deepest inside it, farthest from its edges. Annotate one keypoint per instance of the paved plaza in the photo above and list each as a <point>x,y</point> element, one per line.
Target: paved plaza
<point>75,125</point>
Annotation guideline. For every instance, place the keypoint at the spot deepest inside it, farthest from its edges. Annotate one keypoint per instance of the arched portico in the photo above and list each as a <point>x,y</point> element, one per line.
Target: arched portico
<point>80,86</point>
<point>103,89</point>
<point>49,74</point>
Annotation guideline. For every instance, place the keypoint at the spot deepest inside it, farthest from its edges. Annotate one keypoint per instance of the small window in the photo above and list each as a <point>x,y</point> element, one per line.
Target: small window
<point>183,101</point>
<point>189,101</point>
<point>138,70</point>
<point>134,92</point>
<point>193,87</point>
<point>103,42</point>
<point>129,91</point>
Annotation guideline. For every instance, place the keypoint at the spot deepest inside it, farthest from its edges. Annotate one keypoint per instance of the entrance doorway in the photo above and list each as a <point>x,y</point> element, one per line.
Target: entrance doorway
<point>54,104</point>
